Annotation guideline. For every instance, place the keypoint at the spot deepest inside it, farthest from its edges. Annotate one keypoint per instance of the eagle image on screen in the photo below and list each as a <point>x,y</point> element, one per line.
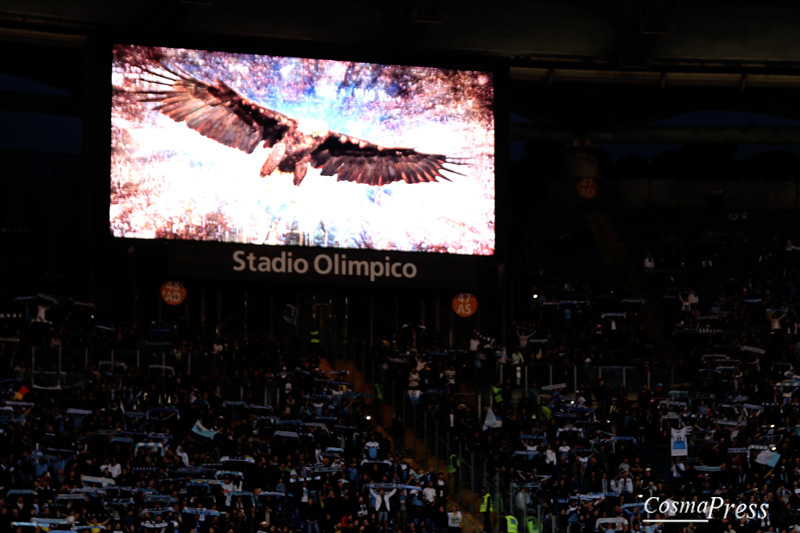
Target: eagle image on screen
<point>260,149</point>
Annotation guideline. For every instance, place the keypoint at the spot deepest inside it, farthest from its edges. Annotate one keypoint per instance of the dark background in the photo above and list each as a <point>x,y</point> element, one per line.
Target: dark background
<point>667,104</point>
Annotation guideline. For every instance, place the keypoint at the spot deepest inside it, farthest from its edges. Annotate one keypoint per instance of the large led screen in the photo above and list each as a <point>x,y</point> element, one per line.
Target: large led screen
<point>243,148</point>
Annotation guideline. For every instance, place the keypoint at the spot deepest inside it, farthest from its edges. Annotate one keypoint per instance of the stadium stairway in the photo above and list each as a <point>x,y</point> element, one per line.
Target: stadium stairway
<point>617,261</point>
<point>418,457</point>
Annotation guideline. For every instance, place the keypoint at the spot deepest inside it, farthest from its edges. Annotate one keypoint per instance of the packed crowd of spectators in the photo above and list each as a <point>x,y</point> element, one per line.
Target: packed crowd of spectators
<point>606,454</point>
<point>704,428</point>
<point>161,448</point>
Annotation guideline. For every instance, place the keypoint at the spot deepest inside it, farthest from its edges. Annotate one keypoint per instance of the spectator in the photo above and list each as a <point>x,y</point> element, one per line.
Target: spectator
<point>454,520</point>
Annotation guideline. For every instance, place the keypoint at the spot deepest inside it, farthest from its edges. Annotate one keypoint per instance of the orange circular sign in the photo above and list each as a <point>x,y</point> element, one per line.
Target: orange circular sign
<point>465,304</point>
<point>587,188</point>
<point>173,292</point>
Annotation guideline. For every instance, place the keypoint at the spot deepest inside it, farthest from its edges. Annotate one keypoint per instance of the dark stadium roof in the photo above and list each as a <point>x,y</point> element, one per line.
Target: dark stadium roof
<point>576,66</point>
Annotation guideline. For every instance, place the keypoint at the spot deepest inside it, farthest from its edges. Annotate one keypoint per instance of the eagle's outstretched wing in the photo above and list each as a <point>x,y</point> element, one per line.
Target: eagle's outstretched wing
<point>219,112</point>
<point>215,110</point>
<point>352,159</point>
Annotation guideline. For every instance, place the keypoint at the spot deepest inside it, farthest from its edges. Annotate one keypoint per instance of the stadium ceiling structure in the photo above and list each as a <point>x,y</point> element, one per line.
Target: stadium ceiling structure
<point>602,68</point>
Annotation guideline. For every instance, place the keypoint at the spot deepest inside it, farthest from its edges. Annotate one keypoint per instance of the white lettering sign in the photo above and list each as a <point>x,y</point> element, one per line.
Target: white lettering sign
<point>323,264</point>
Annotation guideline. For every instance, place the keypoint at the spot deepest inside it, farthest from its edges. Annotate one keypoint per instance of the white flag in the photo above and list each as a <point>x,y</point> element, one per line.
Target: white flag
<point>680,447</point>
